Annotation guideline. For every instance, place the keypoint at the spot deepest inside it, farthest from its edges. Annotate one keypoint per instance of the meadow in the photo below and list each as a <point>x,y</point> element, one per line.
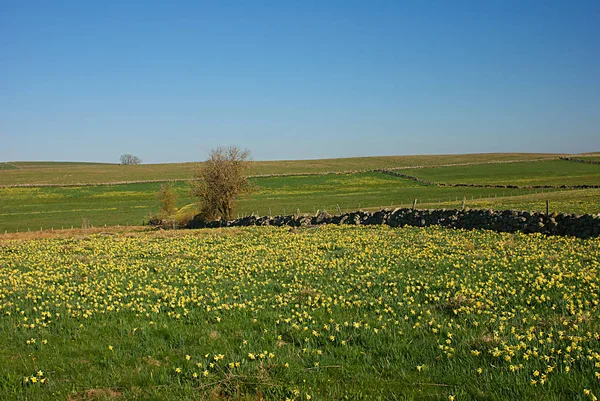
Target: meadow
<point>64,173</point>
<point>310,314</point>
<point>128,195</point>
<point>554,173</point>
<point>35,208</point>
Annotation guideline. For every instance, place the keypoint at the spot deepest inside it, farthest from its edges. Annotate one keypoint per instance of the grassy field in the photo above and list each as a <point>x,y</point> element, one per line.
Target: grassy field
<point>321,314</point>
<point>55,207</point>
<point>32,208</point>
<point>8,166</point>
<point>580,201</point>
<point>556,172</point>
<point>73,173</point>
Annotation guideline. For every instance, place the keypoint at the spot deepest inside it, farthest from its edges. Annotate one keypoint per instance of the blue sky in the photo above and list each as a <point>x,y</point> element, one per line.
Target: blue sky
<point>167,81</point>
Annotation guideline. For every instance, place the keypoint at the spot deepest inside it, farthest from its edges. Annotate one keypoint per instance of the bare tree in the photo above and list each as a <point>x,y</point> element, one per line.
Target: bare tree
<point>128,159</point>
<point>221,180</point>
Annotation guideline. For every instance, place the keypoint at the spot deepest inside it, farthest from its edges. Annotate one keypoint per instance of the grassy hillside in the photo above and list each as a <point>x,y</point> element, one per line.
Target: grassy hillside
<point>357,313</point>
<point>555,172</point>
<point>32,208</point>
<point>83,173</point>
<point>73,173</point>
<point>47,207</point>
<point>579,201</point>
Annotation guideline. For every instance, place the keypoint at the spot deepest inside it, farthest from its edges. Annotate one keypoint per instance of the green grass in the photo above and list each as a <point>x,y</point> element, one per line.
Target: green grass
<point>556,172</point>
<point>579,201</point>
<point>359,313</point>
<point>131,204</point>
<point>7,166</point>
<point>284,195</point>
<point>73,173</point>
<point>50,164</point>
<point>55,207</point>
<point>85,173</point>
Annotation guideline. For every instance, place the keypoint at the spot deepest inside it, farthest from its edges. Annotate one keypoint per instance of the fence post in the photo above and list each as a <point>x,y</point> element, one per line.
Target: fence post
<point>414,204</point>
<point>547,207</point>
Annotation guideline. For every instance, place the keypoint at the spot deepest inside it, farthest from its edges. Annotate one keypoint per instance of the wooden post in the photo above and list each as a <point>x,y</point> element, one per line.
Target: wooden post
<point>415,204</point>
<point>463,202</point>
<point>547,207</point>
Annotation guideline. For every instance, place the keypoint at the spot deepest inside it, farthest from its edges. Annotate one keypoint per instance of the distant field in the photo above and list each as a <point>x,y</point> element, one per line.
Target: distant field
<point>55,207</point>
<point>369,163</point>
<point>93,173</point>
<point>8,166</point>
<point>284,195</point>
<point>554,172</point>
<point>32,208</point>
<point>589,157</point>
<point>73,173</point>
<point>579,201</point>
<point>37,165</point>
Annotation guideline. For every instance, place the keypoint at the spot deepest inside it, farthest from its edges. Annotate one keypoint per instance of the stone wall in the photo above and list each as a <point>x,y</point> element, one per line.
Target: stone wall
<point>582,226</point>
<point>572,159</point>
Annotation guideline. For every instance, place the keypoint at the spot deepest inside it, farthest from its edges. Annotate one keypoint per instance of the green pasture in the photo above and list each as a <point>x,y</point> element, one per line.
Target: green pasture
<point>62,207</point>
<point>74,173</point>
<point>580,201</point>
<point>553,172</point>
<point>84,173</point>
<point>50,164</point>
<point>35,208</point>
<point>132,204</point>
<point>8,166</point>
<point>346,192</point>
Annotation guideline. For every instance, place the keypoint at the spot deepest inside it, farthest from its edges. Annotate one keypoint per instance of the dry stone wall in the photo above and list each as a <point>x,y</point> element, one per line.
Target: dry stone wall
<point>572,159</point>
<point>582,226</point>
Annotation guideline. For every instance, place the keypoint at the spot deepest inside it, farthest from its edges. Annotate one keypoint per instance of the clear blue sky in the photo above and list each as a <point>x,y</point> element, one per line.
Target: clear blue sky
<point>168,80</point>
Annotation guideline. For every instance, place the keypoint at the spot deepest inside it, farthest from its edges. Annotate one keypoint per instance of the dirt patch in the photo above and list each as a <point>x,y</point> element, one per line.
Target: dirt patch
<point>97,394</point>
<point>151,361</point>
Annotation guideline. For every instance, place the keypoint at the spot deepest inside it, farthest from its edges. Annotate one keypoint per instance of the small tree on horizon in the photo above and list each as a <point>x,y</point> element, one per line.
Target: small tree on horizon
<point>220,180</point>
<point>128,159</point>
